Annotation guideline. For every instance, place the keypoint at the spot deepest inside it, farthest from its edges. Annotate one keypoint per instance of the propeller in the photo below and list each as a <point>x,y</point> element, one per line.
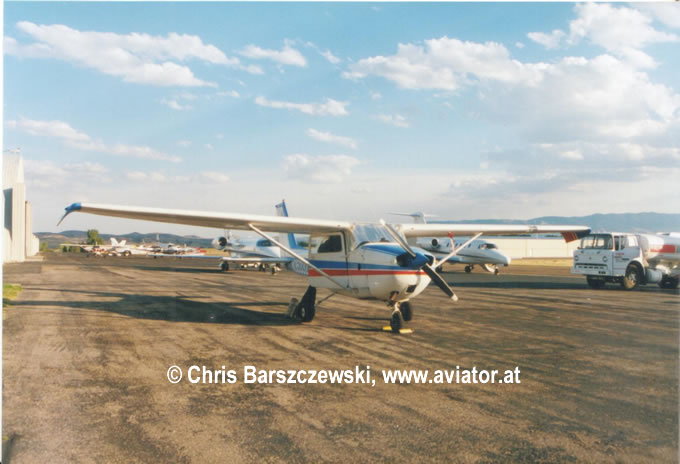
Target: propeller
<point>427,267</point>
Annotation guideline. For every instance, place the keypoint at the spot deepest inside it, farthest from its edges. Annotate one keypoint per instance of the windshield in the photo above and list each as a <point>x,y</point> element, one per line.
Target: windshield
<point>601,242</point>
<point>371,233</point>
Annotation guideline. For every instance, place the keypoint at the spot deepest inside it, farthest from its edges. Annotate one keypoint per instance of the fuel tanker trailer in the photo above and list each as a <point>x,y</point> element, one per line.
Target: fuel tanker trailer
<point>629,259</point>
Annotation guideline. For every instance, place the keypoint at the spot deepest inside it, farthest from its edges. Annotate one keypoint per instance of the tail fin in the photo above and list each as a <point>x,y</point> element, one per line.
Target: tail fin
<point>288,239</point>
<point>418,217</point>
<point>114,242</point>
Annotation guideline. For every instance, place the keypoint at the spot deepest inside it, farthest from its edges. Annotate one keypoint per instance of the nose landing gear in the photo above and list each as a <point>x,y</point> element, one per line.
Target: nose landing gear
<point>402,312</point>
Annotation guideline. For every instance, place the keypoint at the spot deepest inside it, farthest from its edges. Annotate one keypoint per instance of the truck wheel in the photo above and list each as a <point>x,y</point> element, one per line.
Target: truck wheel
<point>594,282</point>
<point>669,282</point>
<point>632,278</point>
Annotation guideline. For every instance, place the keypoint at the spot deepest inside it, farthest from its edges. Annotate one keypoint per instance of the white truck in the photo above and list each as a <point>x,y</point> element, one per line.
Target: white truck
<point>629,259</point>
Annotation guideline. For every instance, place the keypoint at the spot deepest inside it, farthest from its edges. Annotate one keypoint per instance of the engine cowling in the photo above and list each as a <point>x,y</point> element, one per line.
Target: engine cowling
<point>435,243</point>
<point>220,243</point>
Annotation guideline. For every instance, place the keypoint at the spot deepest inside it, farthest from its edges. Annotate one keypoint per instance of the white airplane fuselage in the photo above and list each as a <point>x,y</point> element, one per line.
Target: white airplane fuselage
<point>476,252</point>
<point>371,271</point>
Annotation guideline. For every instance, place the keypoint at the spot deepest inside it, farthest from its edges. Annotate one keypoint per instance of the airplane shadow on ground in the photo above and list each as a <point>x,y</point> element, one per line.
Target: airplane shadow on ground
<point>520,284</point>
<point>538,285</point>
<point>169,308</point>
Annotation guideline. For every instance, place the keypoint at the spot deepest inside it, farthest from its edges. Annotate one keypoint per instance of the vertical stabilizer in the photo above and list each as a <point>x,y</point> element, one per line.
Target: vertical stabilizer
<point>288,239</point>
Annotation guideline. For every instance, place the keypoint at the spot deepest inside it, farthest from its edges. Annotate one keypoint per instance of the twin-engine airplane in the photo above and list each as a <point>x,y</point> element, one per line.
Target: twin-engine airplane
<point>478,252</point>
<point>368,261</point>
<point>261,253</point>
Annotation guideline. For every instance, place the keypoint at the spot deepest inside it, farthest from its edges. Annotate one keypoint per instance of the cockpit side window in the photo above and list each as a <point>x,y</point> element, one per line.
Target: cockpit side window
<point>330,244</point>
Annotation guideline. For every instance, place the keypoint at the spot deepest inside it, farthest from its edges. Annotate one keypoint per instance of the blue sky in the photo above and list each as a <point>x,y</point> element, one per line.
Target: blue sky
<point>348,111</point>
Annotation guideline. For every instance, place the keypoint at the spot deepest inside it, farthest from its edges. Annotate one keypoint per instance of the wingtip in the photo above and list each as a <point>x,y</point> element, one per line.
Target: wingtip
<point>69,209</point>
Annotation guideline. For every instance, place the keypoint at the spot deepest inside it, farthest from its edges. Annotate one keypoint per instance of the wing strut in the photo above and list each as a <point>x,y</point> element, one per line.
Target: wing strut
<point>295,255</point>
<point>455,251</point>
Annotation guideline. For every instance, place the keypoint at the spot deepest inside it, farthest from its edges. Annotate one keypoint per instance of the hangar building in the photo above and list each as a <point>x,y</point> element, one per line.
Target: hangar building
<point>18,240</point>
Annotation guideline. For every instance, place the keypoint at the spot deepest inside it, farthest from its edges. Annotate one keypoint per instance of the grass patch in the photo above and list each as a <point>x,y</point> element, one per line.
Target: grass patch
<point>10,292</point>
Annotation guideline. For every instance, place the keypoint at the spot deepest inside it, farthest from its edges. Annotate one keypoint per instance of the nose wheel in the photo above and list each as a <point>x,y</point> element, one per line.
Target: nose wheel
<point>396,321</point>
<point>402,312</point>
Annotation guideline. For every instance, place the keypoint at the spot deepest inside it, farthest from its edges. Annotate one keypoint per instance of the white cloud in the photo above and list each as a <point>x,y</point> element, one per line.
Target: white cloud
<point>396,120</point>
<point>287,55</point>
<point>217,177</point>
<point>184,143</point>
<point>208,146</point>
<point>87,167</point>
<point>57,129</point>
<point>252,69</point>
<point>574,155</point>
<point>175,105</point>
<point>447,64</point>
<point>578,98</point>
<point>134,57</point>
<point>329,108</point>
<point>620,30</point>
<point>331,138</point>
<point>230,93</point>
<point>330,168</point>
<point>137,175</point>
<point>159,178</point>
<point>519,45</point>
<point>376,95</point>
<point>549,41</point>
<point>82,141</point>
<point>666,13</point>
<point>330,57</point>
<point>155,177</point>
<point>133,151</point>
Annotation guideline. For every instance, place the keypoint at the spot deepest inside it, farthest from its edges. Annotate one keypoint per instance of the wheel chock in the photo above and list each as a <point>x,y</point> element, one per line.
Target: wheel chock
<point>388,328</point>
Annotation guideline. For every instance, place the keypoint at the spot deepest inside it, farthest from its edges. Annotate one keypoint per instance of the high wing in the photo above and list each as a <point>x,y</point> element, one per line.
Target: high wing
<point>569,233</point>
<point>214,220</point>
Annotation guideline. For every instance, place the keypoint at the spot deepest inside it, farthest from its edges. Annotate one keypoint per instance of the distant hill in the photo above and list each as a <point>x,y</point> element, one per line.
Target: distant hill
<point>626,222</point>
<point>80,236</point>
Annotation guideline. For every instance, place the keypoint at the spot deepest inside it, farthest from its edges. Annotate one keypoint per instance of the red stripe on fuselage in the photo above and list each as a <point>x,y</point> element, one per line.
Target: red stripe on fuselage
<point>343,272</point>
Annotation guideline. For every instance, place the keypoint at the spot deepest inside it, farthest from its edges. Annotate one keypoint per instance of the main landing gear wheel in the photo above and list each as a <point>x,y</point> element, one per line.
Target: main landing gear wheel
<point>306,309</point>
<point>224,266</point>
<point>632,278</point>
<point>406,310</point>
<point>468,269</point>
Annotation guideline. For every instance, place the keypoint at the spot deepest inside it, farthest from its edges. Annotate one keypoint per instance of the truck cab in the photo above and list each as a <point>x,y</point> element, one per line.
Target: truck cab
<point>610,257</point>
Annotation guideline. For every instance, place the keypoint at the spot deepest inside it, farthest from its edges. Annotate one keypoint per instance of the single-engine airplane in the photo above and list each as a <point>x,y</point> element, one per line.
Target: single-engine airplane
<point>368,261</point>
<point>478,252</point>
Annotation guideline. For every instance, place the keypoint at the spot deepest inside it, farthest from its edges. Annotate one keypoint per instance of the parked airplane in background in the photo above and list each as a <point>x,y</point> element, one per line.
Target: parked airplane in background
<point>116,248</point>
<point>481,252</point>
<point>371,261</point>
<point>261,253</point>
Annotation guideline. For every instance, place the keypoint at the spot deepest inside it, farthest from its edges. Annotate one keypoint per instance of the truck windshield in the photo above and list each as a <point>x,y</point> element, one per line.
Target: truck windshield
<point>600,241</point>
